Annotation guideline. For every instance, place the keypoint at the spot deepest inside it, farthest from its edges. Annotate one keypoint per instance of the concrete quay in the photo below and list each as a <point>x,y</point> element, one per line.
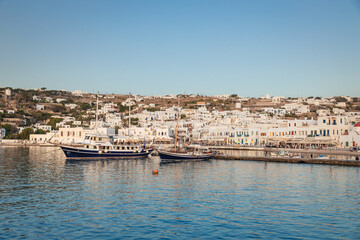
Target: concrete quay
<point>291,160</point>
<point>289,150</point>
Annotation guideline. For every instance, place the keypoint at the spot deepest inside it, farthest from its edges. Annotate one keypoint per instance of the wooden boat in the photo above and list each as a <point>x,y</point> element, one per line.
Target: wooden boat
<point>182,156</point>
<point>100,147</point>
<point>103,147</point>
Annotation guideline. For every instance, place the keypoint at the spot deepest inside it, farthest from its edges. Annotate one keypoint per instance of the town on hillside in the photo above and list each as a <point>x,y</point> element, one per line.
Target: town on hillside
<point>40,116</point>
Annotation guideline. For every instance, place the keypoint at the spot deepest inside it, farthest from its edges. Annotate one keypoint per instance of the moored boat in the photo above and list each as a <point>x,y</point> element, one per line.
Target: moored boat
<point>172,156</point>
<point>100,147</point>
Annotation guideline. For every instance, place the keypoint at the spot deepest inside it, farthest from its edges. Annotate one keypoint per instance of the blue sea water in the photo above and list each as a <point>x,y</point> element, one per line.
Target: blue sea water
<point>43,196</point>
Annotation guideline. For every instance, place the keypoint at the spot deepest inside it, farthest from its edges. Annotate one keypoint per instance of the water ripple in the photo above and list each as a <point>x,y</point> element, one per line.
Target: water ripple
<point>43,196</point>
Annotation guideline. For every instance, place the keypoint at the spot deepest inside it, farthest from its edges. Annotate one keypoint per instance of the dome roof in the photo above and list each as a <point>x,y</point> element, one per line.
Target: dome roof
<point>357,125</point>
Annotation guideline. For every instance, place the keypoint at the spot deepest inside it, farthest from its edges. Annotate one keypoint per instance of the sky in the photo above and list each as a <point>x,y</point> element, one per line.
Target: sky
<point>209,47</point>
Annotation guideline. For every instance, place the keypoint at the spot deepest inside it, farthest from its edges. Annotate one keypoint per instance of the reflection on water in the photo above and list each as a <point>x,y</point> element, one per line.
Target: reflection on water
<point>44,196</point>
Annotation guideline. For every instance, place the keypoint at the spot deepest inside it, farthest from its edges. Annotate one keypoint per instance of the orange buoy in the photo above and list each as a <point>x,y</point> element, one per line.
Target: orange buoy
<point>155,172</point>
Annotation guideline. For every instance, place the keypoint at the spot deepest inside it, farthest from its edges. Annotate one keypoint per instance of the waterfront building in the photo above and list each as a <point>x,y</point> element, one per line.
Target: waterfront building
<point>333,126</point>
<point>70,135</point>
<point>351,138</point>
<point>42,138</point>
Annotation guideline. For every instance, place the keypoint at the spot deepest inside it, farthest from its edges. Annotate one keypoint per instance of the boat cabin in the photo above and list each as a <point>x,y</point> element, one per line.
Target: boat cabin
<point>112,147</point>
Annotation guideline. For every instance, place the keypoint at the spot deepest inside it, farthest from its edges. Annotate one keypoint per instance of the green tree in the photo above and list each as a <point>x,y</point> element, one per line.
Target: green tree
<point>41,116</point>
<point>53,122</point>
<point>25,133</point>
<point>340,99</point>
<point>122,108</point>
<point>40,131</point>
<point>85,106</point>
<point>58,108</point>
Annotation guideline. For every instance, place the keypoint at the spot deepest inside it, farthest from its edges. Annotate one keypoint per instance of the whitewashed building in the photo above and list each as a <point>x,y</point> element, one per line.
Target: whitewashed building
<point>351,139</point>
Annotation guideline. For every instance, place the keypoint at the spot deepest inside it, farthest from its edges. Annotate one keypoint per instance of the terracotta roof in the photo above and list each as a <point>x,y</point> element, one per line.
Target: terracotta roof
<point>357,125</point>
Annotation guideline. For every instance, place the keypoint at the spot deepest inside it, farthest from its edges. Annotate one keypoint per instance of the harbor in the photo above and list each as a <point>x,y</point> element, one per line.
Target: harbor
<point>46,196</point>
<point>265,154</point>
<point>179,119</point>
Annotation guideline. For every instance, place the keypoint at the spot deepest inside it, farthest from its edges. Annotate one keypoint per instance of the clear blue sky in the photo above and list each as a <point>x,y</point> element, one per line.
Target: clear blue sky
<point>150,47</point>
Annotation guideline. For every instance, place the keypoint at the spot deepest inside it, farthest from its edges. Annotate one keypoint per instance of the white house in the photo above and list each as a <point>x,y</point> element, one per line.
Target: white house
<point>40,107</point>
<point>42,138</point>
<point>8,92</point>
<point>36,98</point>
<point>59,100</point>
<point>78,93</point>
<point>71,105</point>
<point>43,127</point>
<point>351,139</point>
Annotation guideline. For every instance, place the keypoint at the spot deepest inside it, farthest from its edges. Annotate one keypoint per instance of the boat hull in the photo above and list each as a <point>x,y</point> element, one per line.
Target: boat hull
<point>81,154</point>
<point>182,157</point>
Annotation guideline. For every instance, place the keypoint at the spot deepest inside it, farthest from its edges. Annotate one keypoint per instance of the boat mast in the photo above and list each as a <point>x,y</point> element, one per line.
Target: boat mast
<point>177,125</point>
<point>129,115</point>
<point>96,114</point>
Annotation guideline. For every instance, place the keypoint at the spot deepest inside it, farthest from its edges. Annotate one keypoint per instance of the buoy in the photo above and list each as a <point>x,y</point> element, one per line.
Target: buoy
<point>155,172</point>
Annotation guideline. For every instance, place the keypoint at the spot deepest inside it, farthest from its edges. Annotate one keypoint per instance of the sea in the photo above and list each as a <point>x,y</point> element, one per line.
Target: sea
<point>44,196</point>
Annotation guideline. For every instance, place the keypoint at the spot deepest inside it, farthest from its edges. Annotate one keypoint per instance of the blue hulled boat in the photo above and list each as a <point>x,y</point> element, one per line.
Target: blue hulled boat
<point>100,147</point>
